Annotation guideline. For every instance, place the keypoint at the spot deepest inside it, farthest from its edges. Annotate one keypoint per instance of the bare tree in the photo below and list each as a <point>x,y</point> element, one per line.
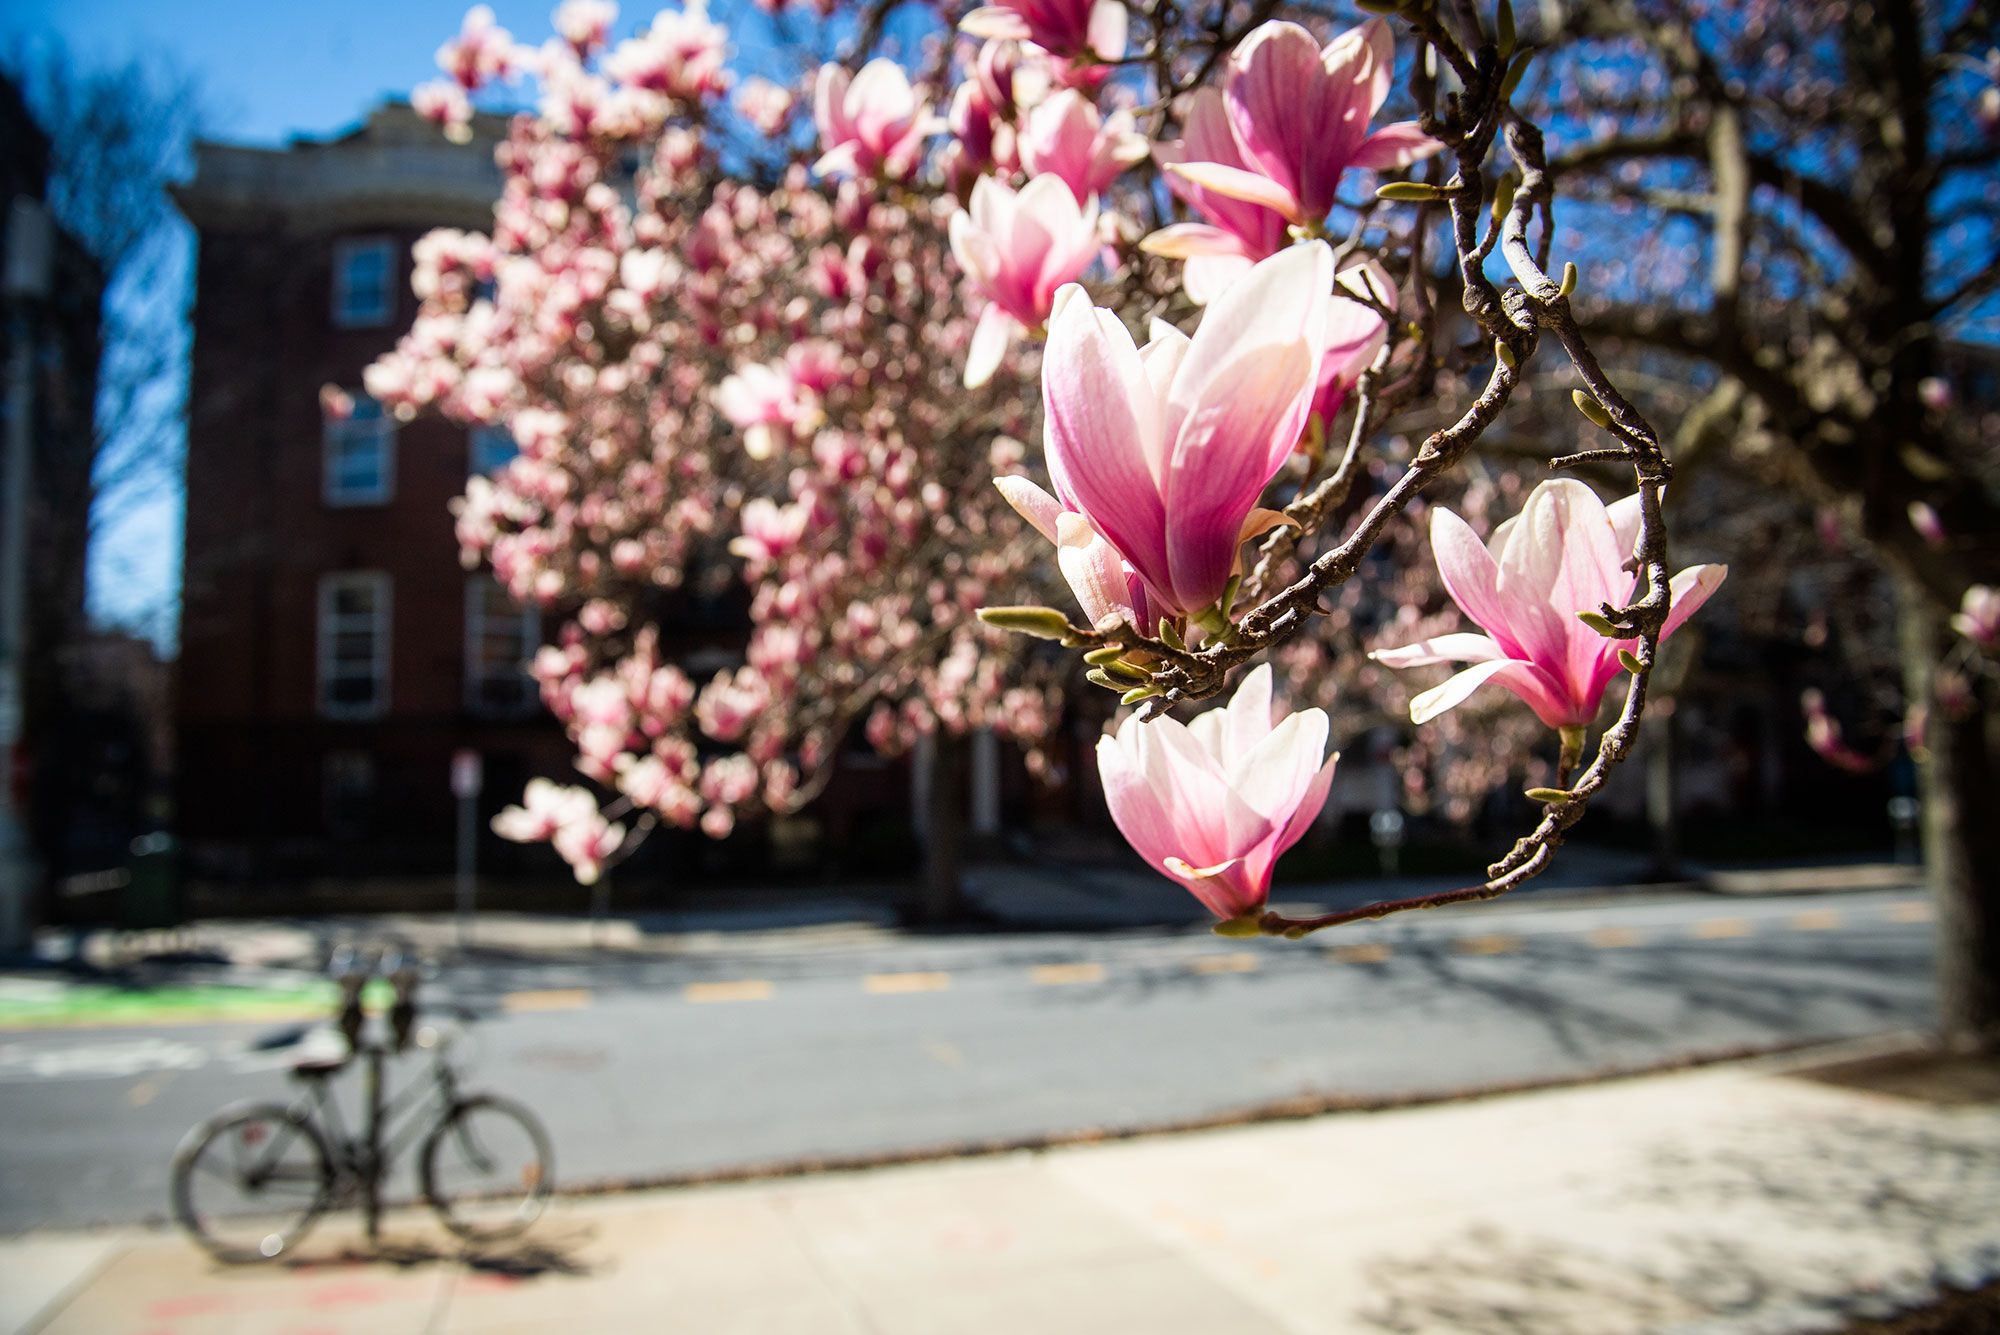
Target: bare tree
<point>1834,168</point>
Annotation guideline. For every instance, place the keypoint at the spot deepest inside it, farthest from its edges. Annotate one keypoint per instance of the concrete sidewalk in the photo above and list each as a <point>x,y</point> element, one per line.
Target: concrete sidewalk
<point>1774,1195</point>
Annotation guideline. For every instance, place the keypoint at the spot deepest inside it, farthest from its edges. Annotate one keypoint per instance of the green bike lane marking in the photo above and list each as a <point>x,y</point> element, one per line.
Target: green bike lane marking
<point>35,1003</point>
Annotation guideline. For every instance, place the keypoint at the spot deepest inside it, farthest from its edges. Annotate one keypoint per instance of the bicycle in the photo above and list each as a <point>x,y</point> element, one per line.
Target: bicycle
<point>250,1181</point>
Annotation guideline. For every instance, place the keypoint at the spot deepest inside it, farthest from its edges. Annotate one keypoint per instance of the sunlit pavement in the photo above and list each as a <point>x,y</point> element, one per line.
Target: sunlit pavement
<point>782,1050</point>
<point>1771,1195</point>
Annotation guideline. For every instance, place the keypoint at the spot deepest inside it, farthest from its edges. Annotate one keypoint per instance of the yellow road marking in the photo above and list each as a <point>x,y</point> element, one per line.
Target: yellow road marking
<point>1364,952</point>
<point>1816,920</point>
<point>747,989</point>
<point>1241,961</point>
<point>886,983</point>
<point>1714,929</point>
<point>1067,973</point>
<point>1611,938</point>
<point>1910,910</point>
<point>555,999</point>
<point>1497,944</point>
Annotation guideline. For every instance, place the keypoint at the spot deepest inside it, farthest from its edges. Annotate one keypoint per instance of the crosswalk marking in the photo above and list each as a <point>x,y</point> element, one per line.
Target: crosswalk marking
<point>1056,974</point>
<point>1361,952</point>
<point>1497,943</point>
<point>883,984</point>
<point>744,989</point>
<point>1612,938</point>
<point>1714,929</point>
<point>1241,961</point>
<point>1816,920</point>
<point>553,999</point>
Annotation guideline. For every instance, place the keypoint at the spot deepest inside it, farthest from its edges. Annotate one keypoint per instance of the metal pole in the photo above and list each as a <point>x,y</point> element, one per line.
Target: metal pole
<point>30,269</point>
<point>467,778</point>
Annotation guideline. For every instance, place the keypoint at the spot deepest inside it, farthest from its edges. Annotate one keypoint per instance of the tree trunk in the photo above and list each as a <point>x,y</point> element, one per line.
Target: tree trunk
<point>944,831</point>
<point>1961,832</point>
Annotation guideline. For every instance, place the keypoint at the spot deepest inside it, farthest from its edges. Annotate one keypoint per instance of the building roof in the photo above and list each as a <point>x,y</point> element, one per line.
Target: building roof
<point>394,169</point>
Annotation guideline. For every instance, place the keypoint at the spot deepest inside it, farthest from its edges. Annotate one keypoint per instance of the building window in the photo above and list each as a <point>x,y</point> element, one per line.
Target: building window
<point>354,644</point>
<point>360,452</point>
<point>501,637</point>
<point>492,448</point>
<point>363,282</point>
<point>347,794</point>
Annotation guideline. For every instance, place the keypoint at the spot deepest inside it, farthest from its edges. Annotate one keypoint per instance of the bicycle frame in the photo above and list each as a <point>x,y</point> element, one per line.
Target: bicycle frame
<point>363,1161</point>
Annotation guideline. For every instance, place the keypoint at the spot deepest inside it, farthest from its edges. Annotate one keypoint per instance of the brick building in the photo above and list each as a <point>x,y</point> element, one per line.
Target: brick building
<point>334,654</point>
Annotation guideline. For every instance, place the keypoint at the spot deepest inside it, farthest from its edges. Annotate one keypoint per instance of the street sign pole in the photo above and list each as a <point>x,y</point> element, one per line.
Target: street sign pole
<point>467,777</point>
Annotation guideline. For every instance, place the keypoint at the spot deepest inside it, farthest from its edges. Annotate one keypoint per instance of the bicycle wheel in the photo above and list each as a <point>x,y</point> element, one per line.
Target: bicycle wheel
<point>249,1181</point>
<point>487,1168</point>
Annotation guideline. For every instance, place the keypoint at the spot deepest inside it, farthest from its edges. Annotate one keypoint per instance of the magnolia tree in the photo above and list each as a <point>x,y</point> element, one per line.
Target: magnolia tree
<point>819,385</point>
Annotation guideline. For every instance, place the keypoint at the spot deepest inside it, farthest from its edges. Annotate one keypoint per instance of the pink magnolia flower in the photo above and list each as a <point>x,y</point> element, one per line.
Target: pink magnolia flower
<point>766,105</point>
<point>1928,525</point>
<point>482,51</point>
<point>1238,233</point>
<point>1214,803</point>
<point>1017,249</point>
<point>873,124</point>
<point>1300,117</point>
<point>1167,449</point>
<point>767,402</point>
<point>1109,590</point>
<point>681,55</point>
<point>1978,616</point>
<point>567,817</point>
<point>1064,27</point>
<point>1828,742</point>
<point>1565,553</point>
<point>584,24</point>
<point>1065,137</point>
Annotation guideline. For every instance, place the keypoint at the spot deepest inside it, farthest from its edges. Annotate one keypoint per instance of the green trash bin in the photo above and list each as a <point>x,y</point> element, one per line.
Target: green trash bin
<point>153,894</point>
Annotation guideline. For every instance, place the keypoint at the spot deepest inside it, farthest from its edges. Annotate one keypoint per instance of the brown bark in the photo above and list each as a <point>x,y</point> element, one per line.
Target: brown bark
<point>941,896</point>
<point>1961,833</point>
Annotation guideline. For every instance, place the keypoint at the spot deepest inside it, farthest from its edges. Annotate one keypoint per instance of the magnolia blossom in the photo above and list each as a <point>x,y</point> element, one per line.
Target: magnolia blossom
<point>568,818</point>
<point>1065,137</point>
<point>766,105</point>
<point>1213,804</point>
<point>873,124</point>
<point>584,24</point>
<point>1300,117</point>
<point>1567,552</point>
<point>1016,249</point>
<point>1166,449</point>
<point>1064,27</point>
<point>1237,233</point>
<point>1978,617</point>
<point>767,402</point>
<point>680,55</point>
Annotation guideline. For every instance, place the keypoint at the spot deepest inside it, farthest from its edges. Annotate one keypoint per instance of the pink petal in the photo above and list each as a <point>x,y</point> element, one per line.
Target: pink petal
<point>1094,435</point>
<point>1691,588</point>
<point>1274,95</point>
<point>1530,565</point>
<point>991,338</point>
<point>1236,183</point>
<point>1106,29</point>
<point>1034,505</point>
<point>1531,683</point>
<point>1206,277</point>
<point>1457,647</point>
<point>996,24</point>
<point>1394,146</point>
<point>1184,240</point>
<point>1471,577</point>
<point>1093,570</point>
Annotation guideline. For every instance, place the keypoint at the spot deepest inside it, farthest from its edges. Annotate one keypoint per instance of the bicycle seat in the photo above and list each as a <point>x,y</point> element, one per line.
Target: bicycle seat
<point>321,1052</point>
<point>315,1066</point>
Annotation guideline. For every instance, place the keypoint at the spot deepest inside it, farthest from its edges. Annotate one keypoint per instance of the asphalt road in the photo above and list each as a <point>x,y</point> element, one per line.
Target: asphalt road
<point>792,1047</point>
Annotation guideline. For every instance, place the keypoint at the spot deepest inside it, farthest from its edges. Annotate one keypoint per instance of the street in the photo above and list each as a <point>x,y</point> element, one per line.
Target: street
<point>842,1047</point>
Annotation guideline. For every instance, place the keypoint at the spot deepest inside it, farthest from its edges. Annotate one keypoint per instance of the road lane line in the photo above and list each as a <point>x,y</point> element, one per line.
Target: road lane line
<point>1816,920</point>
<point>554,999</point>
<point>1241,961</point>
<point>1715,929</point>
<point>745,989</point>
<point>1362,952</point>
<point>1497,943</point>
<point>1054,975</point>
<point>888,984</point>
<point>1910,910</point>
<point>1612,938</point>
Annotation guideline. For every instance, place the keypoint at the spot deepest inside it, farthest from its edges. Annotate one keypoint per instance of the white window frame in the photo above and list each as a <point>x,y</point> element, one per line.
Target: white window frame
<point>382,307</point>
<point>473,451</point>
<point>528,630</point>
<point>332,624</point>
<point>339,436</point>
